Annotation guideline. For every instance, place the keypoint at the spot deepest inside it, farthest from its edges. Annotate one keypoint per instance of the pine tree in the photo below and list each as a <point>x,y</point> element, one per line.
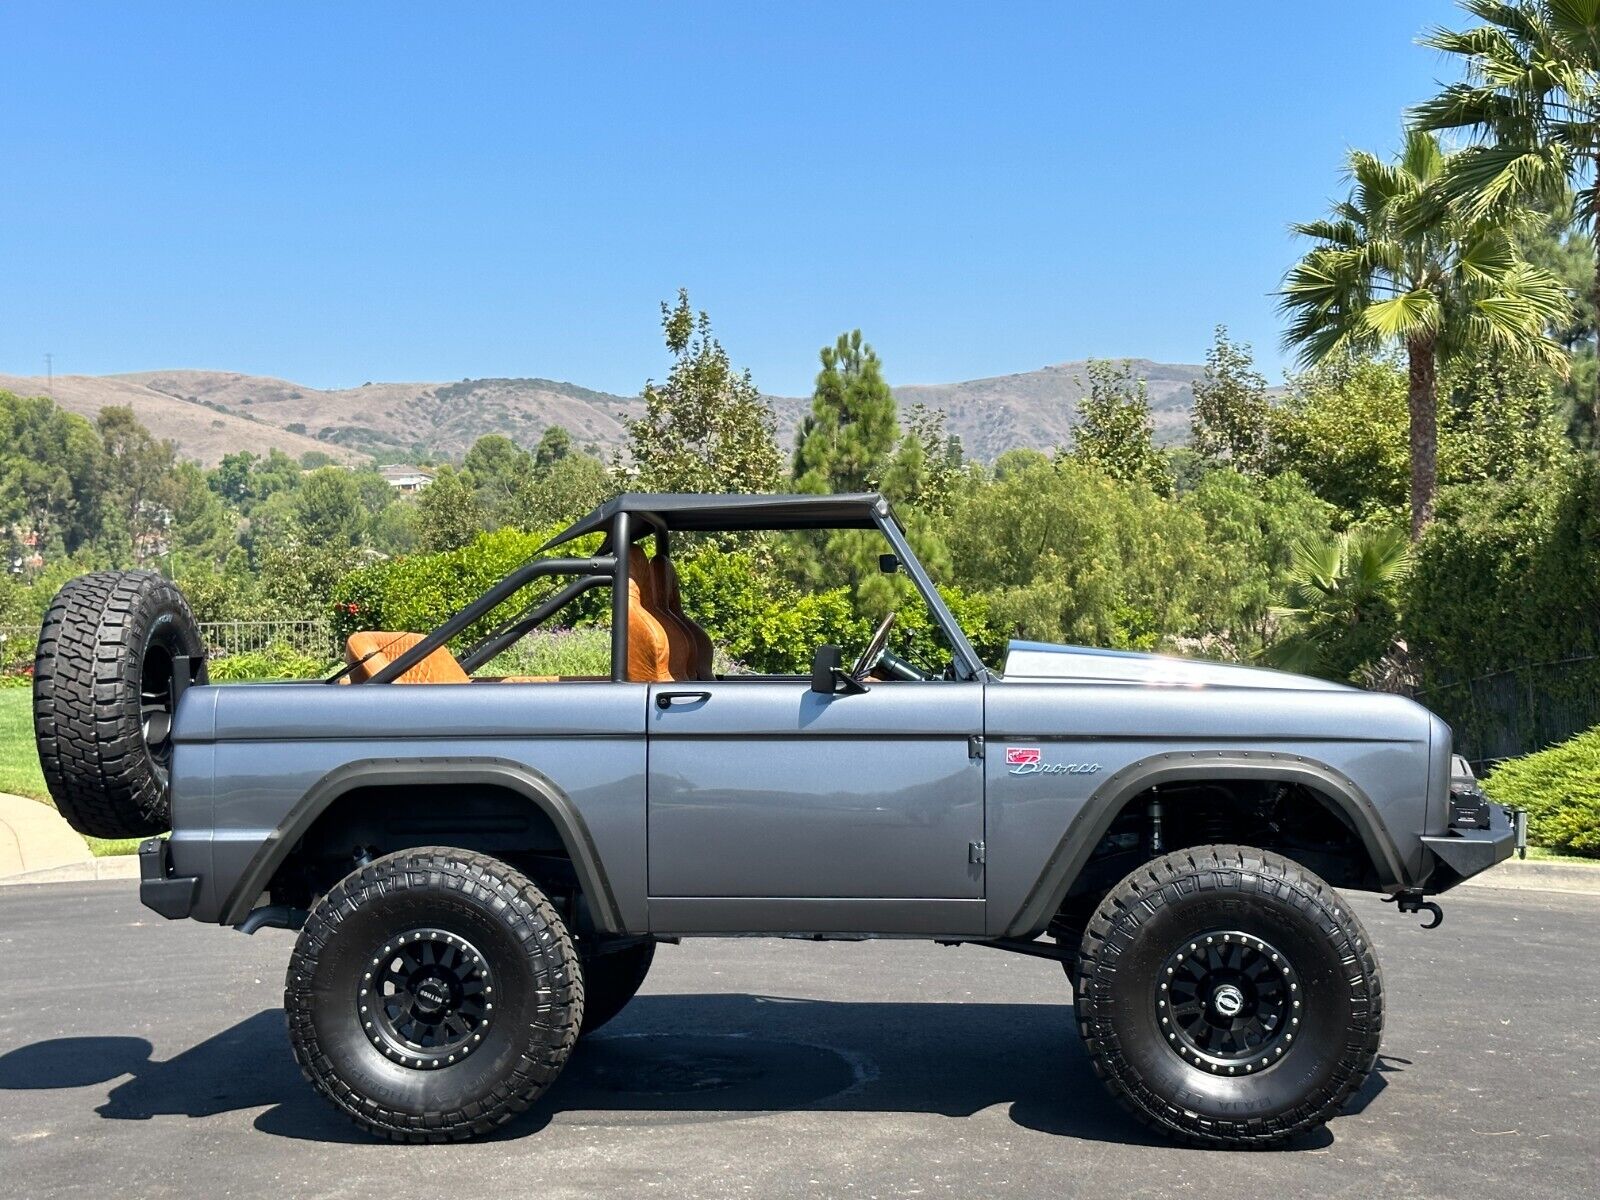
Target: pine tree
<point>847,442</point>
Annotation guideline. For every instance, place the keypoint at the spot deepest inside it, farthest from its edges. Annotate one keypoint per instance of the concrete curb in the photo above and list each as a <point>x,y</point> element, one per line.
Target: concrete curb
<point>1533,875</point>
<point>116,866</point>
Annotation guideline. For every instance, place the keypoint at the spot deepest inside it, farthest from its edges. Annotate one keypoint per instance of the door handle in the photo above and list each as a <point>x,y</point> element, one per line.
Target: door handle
<point>665,700</point>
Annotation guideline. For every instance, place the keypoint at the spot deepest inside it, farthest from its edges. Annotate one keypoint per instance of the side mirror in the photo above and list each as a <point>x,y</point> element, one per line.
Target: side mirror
<point>888,563</point>
<point>828,678</point>
<point>823,665</point>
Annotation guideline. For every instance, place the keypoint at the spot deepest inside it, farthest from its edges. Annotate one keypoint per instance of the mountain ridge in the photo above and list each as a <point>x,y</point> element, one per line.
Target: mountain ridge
<point>211,413</point>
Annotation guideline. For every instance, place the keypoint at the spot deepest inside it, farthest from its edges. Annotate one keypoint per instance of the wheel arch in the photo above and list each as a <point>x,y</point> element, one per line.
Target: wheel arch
<point>531,785</point>
<point>1333,788</point>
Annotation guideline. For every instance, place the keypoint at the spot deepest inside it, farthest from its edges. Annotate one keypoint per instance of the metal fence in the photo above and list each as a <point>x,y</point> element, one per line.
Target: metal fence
<point>1514,711</point>
<point>223,639</point>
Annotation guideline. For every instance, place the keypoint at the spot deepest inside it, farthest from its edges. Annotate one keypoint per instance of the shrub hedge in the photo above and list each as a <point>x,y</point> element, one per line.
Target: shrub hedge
<point>1560,788</point>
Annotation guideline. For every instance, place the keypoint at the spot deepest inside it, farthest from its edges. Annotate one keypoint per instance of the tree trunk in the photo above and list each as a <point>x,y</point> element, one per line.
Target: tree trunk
<point>1424,405</point>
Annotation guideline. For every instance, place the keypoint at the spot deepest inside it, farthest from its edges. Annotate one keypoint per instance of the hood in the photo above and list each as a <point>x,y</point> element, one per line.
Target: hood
<point>1081,664</point>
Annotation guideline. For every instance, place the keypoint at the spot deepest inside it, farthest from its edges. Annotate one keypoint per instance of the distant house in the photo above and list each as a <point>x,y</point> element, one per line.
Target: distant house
<point>406,479</point>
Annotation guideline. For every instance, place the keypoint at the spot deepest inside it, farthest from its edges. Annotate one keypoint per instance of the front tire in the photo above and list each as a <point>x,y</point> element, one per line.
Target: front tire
<point>433,994</point>
<point>1228,997</point>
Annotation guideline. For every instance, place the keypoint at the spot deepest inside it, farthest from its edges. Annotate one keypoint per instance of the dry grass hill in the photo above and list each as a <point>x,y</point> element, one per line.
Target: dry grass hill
<point>210,413</point>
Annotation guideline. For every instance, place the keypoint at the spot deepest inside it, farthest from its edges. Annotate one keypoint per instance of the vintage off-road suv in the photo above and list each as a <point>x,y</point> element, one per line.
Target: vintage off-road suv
<point>481,874</point>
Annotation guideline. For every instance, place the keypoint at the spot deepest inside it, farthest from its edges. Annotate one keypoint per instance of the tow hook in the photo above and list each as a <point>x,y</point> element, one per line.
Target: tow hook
<point>1412,902</point>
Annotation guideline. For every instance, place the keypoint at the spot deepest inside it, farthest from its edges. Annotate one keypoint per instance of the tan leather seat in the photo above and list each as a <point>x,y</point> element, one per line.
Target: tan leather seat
<point>372,650</point>
<point>649,651</point>
<point>692,646</point>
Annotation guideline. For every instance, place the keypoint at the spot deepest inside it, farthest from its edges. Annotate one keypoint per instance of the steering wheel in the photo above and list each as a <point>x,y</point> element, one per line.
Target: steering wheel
<point>875,648</point>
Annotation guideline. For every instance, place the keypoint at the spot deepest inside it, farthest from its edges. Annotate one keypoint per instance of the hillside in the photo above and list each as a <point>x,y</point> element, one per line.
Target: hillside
<point>210,413</point>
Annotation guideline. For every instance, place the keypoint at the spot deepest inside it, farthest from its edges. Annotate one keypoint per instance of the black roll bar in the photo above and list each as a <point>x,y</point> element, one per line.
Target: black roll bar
<point>614,566</point>
<point>487,647</point>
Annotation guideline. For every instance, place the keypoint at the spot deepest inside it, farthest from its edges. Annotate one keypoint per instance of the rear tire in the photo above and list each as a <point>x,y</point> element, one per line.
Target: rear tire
<point>433,995</point>
<point>610,980</point>
<point>103,699</point>
<point>1228,997</point>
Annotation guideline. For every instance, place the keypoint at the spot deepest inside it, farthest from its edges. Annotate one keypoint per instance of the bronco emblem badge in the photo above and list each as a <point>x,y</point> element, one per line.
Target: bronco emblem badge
<point>1028,760</point>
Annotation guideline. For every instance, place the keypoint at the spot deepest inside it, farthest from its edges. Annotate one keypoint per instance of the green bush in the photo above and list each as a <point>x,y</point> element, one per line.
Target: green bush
<point>556,652</point>
<point>1560,788</point>
<point>277,661</point>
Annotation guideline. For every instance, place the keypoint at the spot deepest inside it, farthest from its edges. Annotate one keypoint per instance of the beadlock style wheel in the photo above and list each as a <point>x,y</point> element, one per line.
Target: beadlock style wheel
<point>429,998</point>
<point>433,994</point>
<point>1228,1001</point>
<point>1228,997</point>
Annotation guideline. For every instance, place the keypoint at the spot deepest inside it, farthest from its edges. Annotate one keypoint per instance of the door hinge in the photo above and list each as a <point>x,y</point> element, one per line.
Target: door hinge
<point>976,852</point>
<point>974,747</point>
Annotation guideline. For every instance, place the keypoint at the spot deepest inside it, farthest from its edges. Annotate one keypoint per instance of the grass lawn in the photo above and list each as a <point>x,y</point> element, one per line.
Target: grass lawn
<point>19,762</point>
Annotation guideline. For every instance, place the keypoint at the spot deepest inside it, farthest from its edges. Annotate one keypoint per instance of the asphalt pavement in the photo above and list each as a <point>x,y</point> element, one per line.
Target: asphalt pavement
<point>142,1057</point>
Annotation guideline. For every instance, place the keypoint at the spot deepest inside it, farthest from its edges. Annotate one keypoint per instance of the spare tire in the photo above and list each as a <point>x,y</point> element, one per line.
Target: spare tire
<point>103,698</point>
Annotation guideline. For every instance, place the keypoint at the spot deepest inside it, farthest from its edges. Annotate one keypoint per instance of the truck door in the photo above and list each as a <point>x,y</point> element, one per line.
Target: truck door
<point>772,808</point>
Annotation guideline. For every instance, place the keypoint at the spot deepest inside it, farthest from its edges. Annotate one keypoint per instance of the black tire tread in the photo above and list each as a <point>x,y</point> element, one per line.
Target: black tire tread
<point>91,749</point>
<point>527,914</point>
<point>1244,868</point>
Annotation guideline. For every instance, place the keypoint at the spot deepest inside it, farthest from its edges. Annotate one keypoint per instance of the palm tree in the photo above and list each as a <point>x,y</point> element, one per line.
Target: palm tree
<point>1532,96</point>
<point>1342,611</point>
<point>1394,267</point>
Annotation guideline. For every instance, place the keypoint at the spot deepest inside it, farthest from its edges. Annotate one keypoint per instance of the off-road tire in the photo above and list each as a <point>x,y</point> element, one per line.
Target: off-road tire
<point>610,980</point>
<point>1158,912</point>
<point>537,995</point>
<point>99,648</point>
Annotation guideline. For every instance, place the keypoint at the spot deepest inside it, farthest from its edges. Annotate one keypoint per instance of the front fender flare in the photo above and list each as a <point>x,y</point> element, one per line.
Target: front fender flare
<point>536,787</point>
<point>1093,820</point>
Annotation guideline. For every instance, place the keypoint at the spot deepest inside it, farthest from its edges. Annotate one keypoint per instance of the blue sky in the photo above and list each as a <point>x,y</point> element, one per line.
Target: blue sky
<point>337,193</point>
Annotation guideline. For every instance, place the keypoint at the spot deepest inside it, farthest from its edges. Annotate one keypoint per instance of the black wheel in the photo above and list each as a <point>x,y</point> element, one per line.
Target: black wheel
<point>1228,997</point>
<point>611,977</point>
<point>103,699</point>
<point>433,995</point>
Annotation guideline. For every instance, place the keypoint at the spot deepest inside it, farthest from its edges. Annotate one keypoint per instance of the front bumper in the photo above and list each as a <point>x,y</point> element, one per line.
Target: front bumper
<point>172,896</point>
<point>1462,853</point>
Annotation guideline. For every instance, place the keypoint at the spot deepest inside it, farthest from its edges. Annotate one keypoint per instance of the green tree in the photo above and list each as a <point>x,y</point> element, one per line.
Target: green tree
<point>327,509</point>
<point>846,442</point>
<point>1114,433</point>
<point>706,428</point>
<point>497,466</point>
<point>1393,266</point>
<point>448,512</point>
<point>202,528</point>
<point>1531,96</point>
<point>555,443</point>
<point>1230,417</point>
<point>50,474</point>
<point>136,472</point>
<point>568,488</point>
<point>1343,608</point>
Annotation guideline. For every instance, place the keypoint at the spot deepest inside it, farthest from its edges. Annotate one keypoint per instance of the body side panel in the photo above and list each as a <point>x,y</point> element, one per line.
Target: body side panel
<point>1369,754</point>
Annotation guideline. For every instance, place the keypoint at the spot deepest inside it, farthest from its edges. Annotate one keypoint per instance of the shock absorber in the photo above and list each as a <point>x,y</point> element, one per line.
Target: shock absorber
<point>1152,810</point>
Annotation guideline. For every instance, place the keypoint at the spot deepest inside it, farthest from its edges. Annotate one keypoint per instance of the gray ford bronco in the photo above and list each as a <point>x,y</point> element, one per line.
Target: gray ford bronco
<point>481,874</point>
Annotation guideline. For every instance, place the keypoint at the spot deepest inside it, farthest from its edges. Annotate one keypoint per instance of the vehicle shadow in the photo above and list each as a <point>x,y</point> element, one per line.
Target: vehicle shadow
<point>670,1059</point>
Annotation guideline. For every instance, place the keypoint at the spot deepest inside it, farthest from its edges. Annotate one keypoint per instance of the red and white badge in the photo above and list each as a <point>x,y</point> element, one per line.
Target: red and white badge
<point>1021,756</point>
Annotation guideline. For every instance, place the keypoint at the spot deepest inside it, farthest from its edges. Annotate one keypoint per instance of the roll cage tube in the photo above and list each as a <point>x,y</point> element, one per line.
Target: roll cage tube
<point>967,663</point>
<point>606,565</point>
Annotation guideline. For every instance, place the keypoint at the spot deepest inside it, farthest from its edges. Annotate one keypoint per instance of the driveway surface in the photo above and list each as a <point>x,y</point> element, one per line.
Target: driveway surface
<point>145,1058</point>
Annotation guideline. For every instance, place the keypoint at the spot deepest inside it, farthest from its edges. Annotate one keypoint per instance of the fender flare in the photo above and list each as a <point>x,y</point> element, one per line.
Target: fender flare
<point>532,785</point>
<point>1092,821</point>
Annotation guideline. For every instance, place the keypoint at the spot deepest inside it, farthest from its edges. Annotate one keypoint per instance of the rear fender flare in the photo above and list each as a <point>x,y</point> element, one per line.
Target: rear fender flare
<point>1092,821</point>
<point>537,788</point>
